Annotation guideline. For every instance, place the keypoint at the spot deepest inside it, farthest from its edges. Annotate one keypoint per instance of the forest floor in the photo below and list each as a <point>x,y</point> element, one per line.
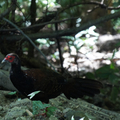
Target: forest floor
<point>13,108</point>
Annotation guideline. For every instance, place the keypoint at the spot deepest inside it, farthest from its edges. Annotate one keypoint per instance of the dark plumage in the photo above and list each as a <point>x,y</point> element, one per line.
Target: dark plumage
<point>49,83</point>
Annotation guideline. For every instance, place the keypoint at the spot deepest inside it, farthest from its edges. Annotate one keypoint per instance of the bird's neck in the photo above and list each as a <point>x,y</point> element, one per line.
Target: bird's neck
<point>15,68</point>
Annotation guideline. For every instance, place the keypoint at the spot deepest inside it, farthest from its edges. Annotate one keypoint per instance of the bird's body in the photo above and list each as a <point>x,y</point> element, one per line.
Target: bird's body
<point>50,84</point>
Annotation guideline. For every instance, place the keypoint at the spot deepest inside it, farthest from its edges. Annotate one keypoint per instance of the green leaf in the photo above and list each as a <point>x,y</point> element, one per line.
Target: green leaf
<point>37,106</point>
<point>12,93</point>
<point>112,65</point>
<point>90,75</point>
<point>50,111</point>
<point>105,71</point>
<point>114,78</point>
<point>117,44</point>
<point>114,93</point>
<point>53,56</point>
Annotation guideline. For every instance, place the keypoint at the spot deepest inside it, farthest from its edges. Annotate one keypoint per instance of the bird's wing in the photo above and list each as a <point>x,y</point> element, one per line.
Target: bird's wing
<point>46,81</point>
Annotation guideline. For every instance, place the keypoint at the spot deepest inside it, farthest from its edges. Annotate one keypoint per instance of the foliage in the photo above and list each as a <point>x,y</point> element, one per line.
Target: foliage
<point>76,14</point>
<point>50,110</point>
<point>83,38</point>
<point>111,74</point>
<point>22,18</point>
<point>44,42</point>
<point>116,22</point>
<point>38,105</point>
<point>12,93</point>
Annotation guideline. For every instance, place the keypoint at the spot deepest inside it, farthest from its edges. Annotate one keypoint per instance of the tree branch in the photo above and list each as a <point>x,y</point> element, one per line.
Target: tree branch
<point>29,41</point>
<point>38,25</point>
<point>60,33</point>
<point>100,4</point>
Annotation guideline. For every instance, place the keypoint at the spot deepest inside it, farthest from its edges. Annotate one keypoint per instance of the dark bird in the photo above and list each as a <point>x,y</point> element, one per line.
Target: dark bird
<point>50,83</point>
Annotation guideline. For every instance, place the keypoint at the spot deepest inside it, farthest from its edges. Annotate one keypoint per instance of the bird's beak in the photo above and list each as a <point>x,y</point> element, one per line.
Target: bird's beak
<point>4,60</point>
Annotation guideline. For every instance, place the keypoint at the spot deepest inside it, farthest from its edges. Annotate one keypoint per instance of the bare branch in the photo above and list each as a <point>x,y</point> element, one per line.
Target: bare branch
<point>100,4</point>
<point>38,25</point>
<point>60,33</point>
<point>29,41</point>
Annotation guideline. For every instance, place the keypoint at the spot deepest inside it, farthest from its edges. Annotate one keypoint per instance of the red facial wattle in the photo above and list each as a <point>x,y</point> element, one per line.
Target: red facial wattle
<point>10,58</point>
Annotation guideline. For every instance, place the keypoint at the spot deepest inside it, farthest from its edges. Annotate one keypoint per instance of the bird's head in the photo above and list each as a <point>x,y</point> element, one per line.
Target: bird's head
<point>11,58</point>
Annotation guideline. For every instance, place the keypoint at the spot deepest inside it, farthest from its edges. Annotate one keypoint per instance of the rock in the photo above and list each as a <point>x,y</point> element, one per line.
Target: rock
<point>66,110</point>
<point>1,108</point>
<point>5,81</point>
<point>18,109</point>
<point>14,113</point>
<point>25,103</point>
<point>21,118</point>
<point>52,117</point>
<point>1,118</point>
<point>59,114</point>
<point>77,115</point>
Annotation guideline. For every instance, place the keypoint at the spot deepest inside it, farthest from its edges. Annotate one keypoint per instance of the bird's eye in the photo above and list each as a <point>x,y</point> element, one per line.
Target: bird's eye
<point>10,58</point>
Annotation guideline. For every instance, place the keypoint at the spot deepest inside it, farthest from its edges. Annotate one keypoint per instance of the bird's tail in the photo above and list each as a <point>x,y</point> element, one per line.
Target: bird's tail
<point>78,87</point>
